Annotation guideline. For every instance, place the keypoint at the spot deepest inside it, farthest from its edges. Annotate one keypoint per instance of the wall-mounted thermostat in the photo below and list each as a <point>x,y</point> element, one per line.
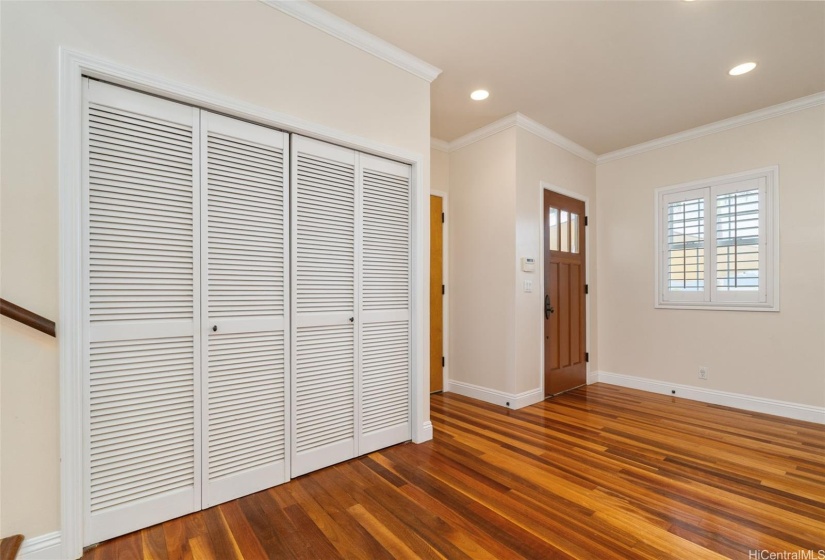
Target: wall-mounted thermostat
<point>528,264</point>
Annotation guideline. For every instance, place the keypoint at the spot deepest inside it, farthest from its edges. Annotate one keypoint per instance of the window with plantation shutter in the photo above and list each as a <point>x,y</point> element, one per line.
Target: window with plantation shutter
<point>717,243</point>
<point>245,232</point>
<point>141,453</point>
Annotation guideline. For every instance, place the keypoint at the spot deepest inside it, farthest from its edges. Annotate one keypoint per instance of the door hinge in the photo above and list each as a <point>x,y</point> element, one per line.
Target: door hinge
<point>586,289</point>
<point>442,217</point>
<point>443,289</point>
<point>587,356</point>
<point>585,220</point>
<point>443,361</point>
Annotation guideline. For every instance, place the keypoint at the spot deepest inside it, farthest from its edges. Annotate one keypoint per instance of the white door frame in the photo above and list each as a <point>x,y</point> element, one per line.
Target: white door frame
<point>73,66</point>
<point>544,186</point>
<point>445,273</point>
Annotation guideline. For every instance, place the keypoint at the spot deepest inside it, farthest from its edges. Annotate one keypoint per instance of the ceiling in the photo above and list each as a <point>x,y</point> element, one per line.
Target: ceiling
<point>607,74</point>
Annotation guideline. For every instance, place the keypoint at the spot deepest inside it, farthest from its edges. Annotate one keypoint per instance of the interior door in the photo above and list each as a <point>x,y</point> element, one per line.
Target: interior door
<point>436,294</point>
<point>245,231</point>
<point>141,441</point>
<point>564,299</point>
<point>324,304</point>
<point>384,343</point>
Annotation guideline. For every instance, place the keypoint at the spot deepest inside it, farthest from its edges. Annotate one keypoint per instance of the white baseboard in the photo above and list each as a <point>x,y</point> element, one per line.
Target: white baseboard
<point>44,547</point>
<point>426,433</point>
<point>785,409</point>
<point>592,377</point>
<point>526,398</point>
<point>494,396</point>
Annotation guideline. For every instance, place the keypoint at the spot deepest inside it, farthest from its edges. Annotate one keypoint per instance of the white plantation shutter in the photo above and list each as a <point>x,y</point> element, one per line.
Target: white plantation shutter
<point>739,220</point>
<point>324,304</point>
<point>385,304</point>
<point>687,246</point>
<point>717,242</point>
<point>245,232</point>
<point>141,442</point>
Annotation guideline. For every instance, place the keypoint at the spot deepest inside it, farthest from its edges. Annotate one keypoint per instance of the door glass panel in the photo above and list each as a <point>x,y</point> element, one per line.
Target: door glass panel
<point>564,222</point>
<point>574,233</point>
<point>553,226</point>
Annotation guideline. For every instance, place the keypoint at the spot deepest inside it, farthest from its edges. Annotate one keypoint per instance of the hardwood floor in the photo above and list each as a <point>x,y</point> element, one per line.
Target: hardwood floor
<point>601,472</point>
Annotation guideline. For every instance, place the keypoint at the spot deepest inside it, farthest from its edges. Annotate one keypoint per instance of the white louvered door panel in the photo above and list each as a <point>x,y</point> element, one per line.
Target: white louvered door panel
<point>141,337</point>
<point>324,302</point>
<point>245,232</point>
<point>384,320</point>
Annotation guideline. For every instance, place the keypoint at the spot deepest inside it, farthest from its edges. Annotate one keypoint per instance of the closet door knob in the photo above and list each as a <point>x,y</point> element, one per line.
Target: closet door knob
<point>214,328</point>
<point>352,319</point>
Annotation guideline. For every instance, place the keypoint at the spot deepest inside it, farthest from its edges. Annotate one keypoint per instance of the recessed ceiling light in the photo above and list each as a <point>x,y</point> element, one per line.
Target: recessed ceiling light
<point>742,69</point>
<point>480,94</point>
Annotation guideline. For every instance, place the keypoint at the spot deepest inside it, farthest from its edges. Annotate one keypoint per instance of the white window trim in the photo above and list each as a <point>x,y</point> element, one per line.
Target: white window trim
<point>706,300</point>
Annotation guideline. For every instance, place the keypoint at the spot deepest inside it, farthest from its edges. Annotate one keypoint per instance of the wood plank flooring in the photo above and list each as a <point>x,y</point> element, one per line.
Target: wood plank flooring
<point>601,472</point>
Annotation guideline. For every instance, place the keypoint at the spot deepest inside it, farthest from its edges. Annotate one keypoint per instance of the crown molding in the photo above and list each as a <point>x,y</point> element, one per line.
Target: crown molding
<point>734,122</point>
<point>484,132</point>
<point>554,137</point>
<point>440,145</point>
<point>525,123</point>
<point>319,18</point>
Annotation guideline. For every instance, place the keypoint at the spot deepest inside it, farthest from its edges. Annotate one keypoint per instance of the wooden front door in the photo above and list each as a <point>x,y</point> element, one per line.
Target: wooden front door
<point>436,294</point>
<point>564,289</point>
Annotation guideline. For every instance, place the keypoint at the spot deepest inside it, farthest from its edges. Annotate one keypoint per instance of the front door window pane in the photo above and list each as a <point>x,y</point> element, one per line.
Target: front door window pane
<point>564,223</point>
<point>574,233</point>
<point>553,226</point>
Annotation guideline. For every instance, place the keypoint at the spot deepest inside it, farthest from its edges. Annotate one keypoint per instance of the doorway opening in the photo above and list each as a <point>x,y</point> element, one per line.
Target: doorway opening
<point>438,281</point>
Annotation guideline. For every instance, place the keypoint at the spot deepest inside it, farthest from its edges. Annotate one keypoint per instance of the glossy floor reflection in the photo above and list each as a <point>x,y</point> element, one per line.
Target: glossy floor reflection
<point>601,472</point>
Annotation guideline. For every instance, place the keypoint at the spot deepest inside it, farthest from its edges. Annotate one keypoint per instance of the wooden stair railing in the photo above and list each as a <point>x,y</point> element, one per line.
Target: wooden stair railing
<point>10,546</point>
<point>26,317</point>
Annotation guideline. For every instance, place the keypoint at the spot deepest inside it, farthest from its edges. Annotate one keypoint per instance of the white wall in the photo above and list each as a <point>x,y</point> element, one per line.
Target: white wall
<point>495,219</point>
<point>538,160</point>
<point>482,239</point>
<point>439,170</point>
<point>244,50</point>
<point>770,355</point>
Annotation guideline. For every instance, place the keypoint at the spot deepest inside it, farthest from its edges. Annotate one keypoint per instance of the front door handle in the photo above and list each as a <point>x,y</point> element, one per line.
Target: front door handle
<point>548,309</point>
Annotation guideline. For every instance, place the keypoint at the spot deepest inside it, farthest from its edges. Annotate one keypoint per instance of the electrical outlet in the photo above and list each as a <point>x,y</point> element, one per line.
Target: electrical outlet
<point>703,372</point>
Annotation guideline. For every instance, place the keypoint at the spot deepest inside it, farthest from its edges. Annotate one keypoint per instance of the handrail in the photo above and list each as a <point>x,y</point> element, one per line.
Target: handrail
<point>28,318</point>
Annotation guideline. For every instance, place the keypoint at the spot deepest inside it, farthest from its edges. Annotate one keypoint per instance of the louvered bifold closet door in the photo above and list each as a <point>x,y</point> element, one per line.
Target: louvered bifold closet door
<point>385,304</point>
<point>141,336</point>
<point>245,230</point>
<point>324,304</point>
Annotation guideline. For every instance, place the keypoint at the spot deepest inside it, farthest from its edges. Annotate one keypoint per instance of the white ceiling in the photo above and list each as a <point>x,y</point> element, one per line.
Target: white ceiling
<point>606,74</point>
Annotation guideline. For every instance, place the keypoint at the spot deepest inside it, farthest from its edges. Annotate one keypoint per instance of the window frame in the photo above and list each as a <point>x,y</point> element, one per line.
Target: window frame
<point>766,298</point>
